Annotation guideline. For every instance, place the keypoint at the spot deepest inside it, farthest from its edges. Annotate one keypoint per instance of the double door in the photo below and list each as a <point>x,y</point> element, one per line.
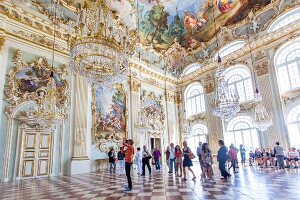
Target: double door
<point>35,153</point>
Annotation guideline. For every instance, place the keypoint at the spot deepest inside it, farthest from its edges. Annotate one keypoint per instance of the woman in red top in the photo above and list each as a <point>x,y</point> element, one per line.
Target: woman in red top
<point>233,158</point>
<point>129,152</point>
<point>178,160</point>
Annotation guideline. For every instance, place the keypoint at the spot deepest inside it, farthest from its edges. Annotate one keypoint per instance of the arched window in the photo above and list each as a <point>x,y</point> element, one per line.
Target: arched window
<point>287,63</point>
<point>191,68</point>
<point>293,121</point>
<point>198,133</point>
<point>194,99</point>
<point>240,130</point>
<point>230,48</point>
<point>239,77</point>
<point>286,19</point>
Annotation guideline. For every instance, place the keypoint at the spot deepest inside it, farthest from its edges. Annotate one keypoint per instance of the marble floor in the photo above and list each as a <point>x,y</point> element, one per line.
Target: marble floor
<point>249,183</point>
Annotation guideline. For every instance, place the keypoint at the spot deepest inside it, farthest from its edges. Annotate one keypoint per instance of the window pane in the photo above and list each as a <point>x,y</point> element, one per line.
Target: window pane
<point>194,98</point>
<point>287,62</point>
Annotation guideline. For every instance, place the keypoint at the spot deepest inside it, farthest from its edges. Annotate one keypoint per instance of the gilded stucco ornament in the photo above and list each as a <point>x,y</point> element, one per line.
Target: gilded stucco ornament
<point>2,42</point>
<point>262,68</point>
<point>247,107</point>
<point>153,109</point>
<point>26,81</point>
<point>209,86</point>
<point>109,117</point>
<point>135,86</point>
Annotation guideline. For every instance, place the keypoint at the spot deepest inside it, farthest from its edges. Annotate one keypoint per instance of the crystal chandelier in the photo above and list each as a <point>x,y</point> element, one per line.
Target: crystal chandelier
<point>100,45</point>
<point>186,129</point>
<point>225,101</point>
<point>48,112</point>
<point>262,119</point>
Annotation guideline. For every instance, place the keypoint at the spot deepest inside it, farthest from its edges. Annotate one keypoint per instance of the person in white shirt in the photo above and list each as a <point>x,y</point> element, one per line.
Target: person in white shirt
<point>138,160</point>
<point>172,159</point>
<point>293,157</point>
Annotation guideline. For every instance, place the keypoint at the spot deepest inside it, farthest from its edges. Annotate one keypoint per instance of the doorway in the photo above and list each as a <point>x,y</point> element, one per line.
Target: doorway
<point>35,153</point>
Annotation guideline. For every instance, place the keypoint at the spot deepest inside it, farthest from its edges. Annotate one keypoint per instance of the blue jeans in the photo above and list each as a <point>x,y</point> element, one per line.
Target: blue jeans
<point>243,157</point>
<point>280,161</point>
<point>172,163</point>
<point>112,167</point>
<point>157,164</point>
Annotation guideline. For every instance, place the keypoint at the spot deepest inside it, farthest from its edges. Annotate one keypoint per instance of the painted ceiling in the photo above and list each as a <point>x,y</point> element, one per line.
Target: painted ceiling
<point>189,21</point>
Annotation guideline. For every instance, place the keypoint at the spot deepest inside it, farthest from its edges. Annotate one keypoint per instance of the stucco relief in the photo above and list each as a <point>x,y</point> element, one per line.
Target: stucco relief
<point>27,80</point>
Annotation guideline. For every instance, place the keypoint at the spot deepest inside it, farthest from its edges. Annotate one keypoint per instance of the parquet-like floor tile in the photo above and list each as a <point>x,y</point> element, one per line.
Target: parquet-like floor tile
<point>249,183</point>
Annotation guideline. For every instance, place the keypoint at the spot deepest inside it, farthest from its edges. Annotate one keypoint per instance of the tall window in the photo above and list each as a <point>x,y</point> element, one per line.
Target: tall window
<point>240,130</point>
<point>194,99</point>
<point>230,48</point>
<point>287,62</point>
<point>239,77</point>
<point>293,121</point>
<point>191,68</point>
<point>285,19</point>
<point>199,133</point>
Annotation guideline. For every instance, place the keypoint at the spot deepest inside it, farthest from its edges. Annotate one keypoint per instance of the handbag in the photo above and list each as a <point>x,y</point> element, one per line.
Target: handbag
<point>192,156</point>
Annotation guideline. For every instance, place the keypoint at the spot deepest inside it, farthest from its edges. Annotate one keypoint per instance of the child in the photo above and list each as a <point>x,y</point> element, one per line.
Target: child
<point>121,161</point>
<point>178,160</point>
<point>112,160</point>
<point>138,160</point>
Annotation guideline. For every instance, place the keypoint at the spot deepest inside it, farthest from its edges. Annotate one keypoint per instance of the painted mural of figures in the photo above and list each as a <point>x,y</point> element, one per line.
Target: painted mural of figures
<point>191,23</point>
<point>224,5</point>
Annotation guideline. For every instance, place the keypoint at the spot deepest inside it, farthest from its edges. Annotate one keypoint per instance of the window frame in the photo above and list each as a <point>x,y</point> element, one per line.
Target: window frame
<point>245,77</point>
<point>285,19</point>
<point>200,108</point>
<point>234,46</point>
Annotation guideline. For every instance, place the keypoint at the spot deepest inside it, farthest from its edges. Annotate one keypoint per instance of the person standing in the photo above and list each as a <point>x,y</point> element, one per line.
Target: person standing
<point>207,163</point>
<point>145,160</point>
<point>167,153</point>
<point>121,161</point>
<point>138,160</point>
<point>243,154</point>
<point>187,162</point>
<point>199,153</point>
<point>128,161</point>
<point>178,161</point>
<point>172,159</point>
<point>279,153</point>
<point>233,158</point>
<point>112,160</point>
<point>156,156</point>
<point>222,158</point>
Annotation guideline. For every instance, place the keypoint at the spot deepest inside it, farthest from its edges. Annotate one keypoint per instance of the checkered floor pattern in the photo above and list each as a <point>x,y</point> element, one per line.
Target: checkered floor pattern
<point>249,183</point>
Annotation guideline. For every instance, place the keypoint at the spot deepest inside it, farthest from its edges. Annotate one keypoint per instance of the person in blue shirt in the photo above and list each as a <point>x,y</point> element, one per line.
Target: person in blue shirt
<point>243,154</point>
<point>251,158</point>
<point>222,157</point>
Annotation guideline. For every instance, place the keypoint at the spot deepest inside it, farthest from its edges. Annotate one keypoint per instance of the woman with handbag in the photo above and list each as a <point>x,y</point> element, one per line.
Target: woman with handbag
<point>145,161</point>
<point>187,160</point>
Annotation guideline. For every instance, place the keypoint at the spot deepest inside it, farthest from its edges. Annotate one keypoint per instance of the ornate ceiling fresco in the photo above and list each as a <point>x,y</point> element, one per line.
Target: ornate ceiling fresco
<point>190,21</point>
<point>176,33</point>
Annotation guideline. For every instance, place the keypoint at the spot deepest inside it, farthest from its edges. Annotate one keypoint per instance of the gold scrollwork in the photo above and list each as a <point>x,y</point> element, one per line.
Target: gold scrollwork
<point>100,138</point>
<point>21,87</point>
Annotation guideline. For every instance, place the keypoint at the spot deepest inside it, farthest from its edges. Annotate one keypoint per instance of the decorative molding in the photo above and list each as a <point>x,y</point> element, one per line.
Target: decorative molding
<point>134,86</point>
<point>197,118</point>
<point>20,89</point>
<point>151,81</point>
<point>178,98</point>
<point>290,96</point>
<point>102,138</point>
<point>262,68</point>
<point>170,96</point>
<point>2,42</point>
<point>209,85</point>
<point>246,107</point>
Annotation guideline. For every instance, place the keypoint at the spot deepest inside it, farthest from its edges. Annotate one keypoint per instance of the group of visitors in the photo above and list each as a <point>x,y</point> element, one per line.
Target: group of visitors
<point>180,159</point>
<point>275,157</point>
